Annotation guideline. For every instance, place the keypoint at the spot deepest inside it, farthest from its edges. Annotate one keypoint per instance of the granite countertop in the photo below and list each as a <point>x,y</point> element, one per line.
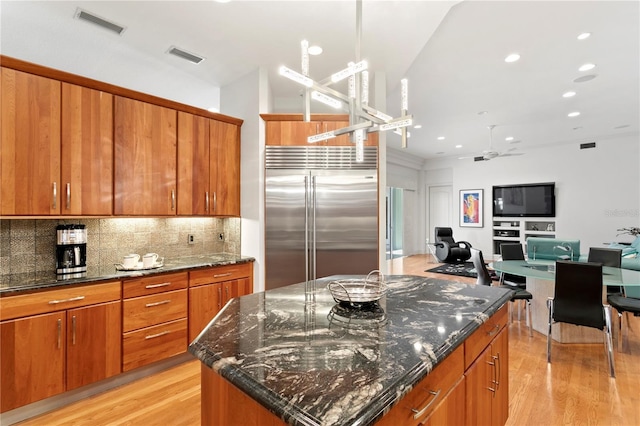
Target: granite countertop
<point>20,283</point>
<point>322,364</point>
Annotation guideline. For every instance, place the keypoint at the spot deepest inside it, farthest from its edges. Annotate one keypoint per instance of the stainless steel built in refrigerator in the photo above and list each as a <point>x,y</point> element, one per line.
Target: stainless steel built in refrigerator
<point>321,213</point>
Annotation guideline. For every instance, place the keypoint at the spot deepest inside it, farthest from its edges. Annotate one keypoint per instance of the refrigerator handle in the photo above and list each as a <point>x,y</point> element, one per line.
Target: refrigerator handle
<point>313,224</point>
<point>306,228</point>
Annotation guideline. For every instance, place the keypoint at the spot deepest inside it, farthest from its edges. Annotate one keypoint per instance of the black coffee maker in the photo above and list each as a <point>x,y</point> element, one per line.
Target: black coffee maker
<point>71,251</point>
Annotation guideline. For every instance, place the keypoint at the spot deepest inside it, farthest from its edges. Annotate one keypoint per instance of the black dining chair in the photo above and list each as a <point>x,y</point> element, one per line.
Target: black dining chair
<point>608,257</point>
<point>577,300</point>
<point>484,278</point>
<point>626,303</point>
<point>512,251</point>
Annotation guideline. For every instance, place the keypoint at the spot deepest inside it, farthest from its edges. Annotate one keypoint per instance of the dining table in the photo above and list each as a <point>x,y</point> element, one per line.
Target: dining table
<point>540,282</point>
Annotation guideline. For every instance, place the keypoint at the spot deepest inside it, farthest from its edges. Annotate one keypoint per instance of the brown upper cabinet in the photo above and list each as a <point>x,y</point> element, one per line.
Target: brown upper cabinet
<point>145,159</point>
<point>290,130</point>
<point>30,154</point>
<point>208,167</point>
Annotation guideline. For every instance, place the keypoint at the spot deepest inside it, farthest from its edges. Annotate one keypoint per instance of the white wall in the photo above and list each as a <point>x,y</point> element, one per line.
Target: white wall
<point>597,190</point>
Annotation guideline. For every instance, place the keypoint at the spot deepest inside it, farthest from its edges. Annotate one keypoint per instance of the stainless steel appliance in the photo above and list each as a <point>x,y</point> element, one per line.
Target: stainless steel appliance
<point>321,213</point>
<point>71,251</point>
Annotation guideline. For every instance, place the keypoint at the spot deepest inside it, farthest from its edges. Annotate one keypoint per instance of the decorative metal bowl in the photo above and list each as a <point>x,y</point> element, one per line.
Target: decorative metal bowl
<point>359,291</point>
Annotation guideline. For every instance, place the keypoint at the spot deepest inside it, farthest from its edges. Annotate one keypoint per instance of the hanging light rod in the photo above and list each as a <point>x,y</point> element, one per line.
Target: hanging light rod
<point>363,119</point>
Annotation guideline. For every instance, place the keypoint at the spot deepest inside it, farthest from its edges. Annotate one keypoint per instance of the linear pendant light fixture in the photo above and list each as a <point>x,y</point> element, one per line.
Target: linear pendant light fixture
<point>363,119</point>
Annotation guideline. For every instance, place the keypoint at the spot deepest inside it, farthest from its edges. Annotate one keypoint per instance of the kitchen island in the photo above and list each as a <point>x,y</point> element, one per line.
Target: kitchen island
<point>274,357</point>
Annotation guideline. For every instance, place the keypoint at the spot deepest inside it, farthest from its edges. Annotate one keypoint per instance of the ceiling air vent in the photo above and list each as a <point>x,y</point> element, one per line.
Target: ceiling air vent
<point>181,53</point>
<point>96,20</point>
<point>479,158</point>
<point>587,145</point>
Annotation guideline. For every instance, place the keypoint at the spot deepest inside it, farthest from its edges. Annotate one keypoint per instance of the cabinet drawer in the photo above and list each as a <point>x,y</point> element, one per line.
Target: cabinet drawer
<point>154,284</point>
<point>219,274</point>
<point>479,340</point>
<point>146,311</point>
<point>428,394</point>
<point>59,299</point>
<point>152,344</point>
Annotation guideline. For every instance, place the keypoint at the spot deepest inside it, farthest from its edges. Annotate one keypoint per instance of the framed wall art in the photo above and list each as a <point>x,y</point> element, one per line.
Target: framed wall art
<point>471,201</point>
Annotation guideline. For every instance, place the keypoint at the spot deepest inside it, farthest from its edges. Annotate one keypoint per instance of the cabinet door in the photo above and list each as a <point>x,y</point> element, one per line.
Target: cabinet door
<point>87,151</point>
<point>343,140</point>
<point>30,144</point>
<point>291,133</point>
<point>225,168</point>
<point>32,359</point>
<point>204,303</point>
<point>145,159</point>
<point>94,343</point>
<point>500,356</point>
<point>450,411</point>
<point>193,165</point>
<point>480,390</point>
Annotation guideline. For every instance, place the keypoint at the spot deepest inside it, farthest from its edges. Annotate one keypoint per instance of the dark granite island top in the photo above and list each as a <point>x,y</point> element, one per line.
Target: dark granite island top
<point>318,364</point>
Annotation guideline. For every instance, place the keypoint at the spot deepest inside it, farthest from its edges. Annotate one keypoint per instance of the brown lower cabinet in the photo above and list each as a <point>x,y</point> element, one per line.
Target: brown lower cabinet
<point>468,387</point>
<point>47,353</point>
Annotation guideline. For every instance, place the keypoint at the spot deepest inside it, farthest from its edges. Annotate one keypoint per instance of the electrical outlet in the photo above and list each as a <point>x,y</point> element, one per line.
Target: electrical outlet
<point>191,239</point>
<point>221,236</point>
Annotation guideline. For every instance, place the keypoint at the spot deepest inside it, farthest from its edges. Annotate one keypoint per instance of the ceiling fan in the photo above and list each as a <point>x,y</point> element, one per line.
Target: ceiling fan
<point>491,153</point>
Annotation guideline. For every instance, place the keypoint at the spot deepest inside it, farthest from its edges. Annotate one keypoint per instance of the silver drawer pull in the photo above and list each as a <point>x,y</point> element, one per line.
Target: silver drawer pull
<point>494,330</point>
<point>73,299</point>
<point>157,285</point>
<point>163,302</point>
<point>419,413</point>
<point>222,275</point>
<point>153,336</point>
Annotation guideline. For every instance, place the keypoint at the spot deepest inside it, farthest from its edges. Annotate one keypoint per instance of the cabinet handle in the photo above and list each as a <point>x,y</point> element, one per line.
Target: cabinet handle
<point>222,275</point>
<point>163,302</point>
<point>59,331</point>
<point>417,413</point>
<point>226,291</point>
<point>206,201</point>
<point>73,330</point>
<point>219,297</point>
<point>153,336</point>
<point>73,299</point>
<point>55,195</point>
<point>215,201</point>
<point>499,370</point>
<point>173,199</point>
<point>157,285</point>
<point>494,330</point>
<point>68,196</point>
<point>495,379</point>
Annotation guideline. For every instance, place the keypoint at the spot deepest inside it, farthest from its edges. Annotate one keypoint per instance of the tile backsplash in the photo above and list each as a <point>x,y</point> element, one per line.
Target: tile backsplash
<point>28,245</point>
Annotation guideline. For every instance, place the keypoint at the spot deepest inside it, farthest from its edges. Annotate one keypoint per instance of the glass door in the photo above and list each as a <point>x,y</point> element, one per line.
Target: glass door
<point>394,225</point>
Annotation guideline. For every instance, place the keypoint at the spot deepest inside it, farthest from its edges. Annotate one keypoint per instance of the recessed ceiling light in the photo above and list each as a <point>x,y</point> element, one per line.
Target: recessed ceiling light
<point>569,94</point>
<point>440,138</point>
<point>573,114</point>
<point>508,138</point>
<point>584,78</point>
<point>314,50</point>
<point>587,67</point>
<point>458,146</point>
<point>418,126</point>
<point>512,58</point>
<point>584,36</point>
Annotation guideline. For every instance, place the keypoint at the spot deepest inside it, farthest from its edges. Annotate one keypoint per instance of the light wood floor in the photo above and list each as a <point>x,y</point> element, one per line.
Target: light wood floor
<point>574,390</point>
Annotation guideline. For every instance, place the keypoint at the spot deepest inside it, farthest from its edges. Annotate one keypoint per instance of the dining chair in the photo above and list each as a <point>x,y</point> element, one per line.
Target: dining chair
<point>626,303</point>
<point>577,300</point>
<point>608,257</point>
<point>484,278</point>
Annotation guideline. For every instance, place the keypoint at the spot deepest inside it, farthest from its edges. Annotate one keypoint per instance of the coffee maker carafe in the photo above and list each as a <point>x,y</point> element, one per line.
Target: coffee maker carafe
<point>71,251</point>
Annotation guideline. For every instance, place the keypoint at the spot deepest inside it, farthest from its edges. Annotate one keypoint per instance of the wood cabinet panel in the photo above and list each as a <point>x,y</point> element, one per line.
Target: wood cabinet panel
<point>55,300</point>
<point>480,339</point>
<point>152,344</point>
<point>144,311</point>
<point>87,151</point>
<point>204,303</point>
<point>145,159</point>
<point>30,144</point>
<point>94,343</point>
<point>32,356</point>
<point>225,168</point>
<point>193,165</point>
<point>449,412</point>
<point>154,284</point>
<point>220,274</point>
<point>294,132</point>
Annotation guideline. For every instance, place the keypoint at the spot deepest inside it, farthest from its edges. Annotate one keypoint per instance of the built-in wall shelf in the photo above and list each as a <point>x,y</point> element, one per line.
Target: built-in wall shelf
<point>507,229</point>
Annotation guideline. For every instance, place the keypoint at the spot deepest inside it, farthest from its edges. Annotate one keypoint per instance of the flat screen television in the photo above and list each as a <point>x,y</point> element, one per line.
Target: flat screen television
<point>526,200</point>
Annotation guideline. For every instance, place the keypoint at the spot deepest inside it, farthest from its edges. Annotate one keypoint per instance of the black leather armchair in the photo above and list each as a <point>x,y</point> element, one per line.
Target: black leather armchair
<point>447,249</point>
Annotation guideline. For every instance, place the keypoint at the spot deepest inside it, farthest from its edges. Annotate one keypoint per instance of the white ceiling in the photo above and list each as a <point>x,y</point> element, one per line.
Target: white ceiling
<point>452,53</point>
